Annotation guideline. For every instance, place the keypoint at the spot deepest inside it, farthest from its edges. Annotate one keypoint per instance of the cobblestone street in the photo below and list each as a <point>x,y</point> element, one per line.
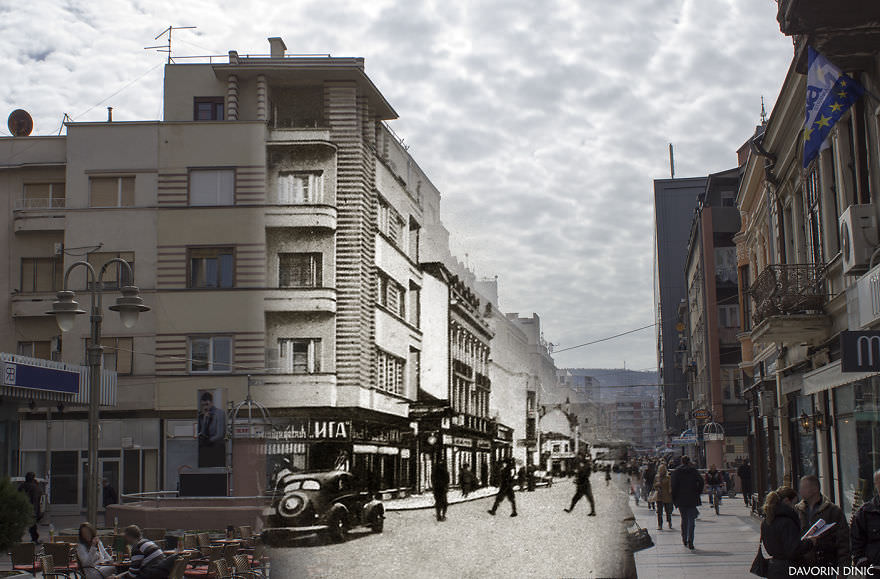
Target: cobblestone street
<point>542,541</point>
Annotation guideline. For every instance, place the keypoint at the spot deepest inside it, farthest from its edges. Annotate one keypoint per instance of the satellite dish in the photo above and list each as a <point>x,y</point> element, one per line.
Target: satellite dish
<point>20,123</point>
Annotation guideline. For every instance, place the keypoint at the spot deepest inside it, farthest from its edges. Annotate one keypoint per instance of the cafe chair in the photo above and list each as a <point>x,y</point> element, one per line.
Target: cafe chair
<point>62,557</point>
<point>242,567</point>
<point>220,570</point>
<point>23,557</point>
<point>49,570</point>
<point>178,569</point>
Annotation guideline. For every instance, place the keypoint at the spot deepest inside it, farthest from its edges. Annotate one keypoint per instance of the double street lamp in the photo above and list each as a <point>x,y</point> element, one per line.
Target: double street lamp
<point>129,305</point>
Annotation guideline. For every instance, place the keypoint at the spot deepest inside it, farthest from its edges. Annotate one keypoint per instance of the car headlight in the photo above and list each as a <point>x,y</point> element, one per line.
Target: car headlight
<point>290,505</point>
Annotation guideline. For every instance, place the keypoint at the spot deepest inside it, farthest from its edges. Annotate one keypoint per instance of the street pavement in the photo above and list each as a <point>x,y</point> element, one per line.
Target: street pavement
<point>542,541</point>
<point>725,544</point>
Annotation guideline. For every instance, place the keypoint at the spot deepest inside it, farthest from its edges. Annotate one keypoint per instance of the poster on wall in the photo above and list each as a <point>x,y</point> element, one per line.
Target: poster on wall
<point>211,430</point>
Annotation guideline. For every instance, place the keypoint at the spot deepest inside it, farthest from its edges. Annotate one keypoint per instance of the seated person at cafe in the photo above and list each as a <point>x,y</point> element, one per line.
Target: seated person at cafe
<point>95,562</point>
<point>146,556</point>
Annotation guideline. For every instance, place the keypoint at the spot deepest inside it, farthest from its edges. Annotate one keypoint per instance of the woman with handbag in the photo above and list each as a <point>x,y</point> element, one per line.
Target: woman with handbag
<point>781,535</point>
<point>662,495</point>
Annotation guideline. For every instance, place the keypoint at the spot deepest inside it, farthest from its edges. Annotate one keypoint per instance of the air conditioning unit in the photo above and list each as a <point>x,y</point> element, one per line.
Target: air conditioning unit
<point>858,236</point>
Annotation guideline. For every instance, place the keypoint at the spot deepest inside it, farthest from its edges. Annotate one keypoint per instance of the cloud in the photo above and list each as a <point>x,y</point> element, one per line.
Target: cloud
<point>543,128</point>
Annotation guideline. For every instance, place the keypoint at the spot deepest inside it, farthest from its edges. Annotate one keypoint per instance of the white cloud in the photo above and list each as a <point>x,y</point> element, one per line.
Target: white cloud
<point>542,124</point>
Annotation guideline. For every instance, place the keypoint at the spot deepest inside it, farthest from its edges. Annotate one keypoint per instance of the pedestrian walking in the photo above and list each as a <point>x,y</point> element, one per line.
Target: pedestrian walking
<point>686,485</point>
<point>467,480</point>
<point>781,533</point>
<point>744,472</point>
<point>607,475</point>
<point>583,487</point>
<point>31,488</point>
<point>506,482</point>
<point>440,487</point>
<point>832,548</point>
<point>663,487</point>
<point>648,482</point>
<point>865,531</point>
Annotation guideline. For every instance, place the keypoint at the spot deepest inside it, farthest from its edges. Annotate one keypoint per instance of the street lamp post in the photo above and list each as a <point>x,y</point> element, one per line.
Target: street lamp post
<point>65,309</point>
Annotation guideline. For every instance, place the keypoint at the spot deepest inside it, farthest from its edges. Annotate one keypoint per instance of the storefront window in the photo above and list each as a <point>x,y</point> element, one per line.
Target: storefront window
<point>858,430</point>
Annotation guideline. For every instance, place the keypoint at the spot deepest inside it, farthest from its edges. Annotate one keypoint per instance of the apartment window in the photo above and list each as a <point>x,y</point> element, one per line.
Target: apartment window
<point>212,187</point>
<point>299,269</point>
<point>392,295</point>
<point>389,372</point>
<point>36,349</point>
<point>300,188</point>
<point>116,275</point>
<point>414,231</point>
<point>415,305</point>
<point>415,369</point>
<point>728,316</point>
<point>111,191</point>
<point>390,223</point>
<point>208,108</point>
<point>211,267</point>
<point>41,274</point>
<point>118,354</point>
<point>300,355</point>
<point>813,210</point>
<point>43,195</point>
<point>210,354</point>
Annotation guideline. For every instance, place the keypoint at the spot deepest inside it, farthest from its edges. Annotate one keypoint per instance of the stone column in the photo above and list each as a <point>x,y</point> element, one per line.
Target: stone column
<point>262,104</point>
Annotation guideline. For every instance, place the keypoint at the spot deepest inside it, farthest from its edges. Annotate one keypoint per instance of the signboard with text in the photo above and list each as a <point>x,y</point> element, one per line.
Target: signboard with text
<point>39,378</point>
<point>314,429</point>
<point>860,351</point>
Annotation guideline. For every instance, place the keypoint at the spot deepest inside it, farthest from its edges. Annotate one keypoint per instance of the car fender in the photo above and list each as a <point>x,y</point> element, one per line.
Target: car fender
<point>373,508</point>
<point>336,510</point>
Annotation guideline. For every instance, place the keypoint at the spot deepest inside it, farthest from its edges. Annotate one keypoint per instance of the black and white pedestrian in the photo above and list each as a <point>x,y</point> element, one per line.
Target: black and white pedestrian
<point>440,488</point>
<point>506,481</point>
<point>583,487</point>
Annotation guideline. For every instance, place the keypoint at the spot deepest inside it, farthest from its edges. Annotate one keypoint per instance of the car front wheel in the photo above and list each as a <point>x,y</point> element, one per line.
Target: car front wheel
<point>377,524</point>
<point>339,528</point>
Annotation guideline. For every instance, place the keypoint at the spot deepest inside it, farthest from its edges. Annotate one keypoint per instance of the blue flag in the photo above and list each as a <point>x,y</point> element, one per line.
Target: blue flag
<point>830,93</point>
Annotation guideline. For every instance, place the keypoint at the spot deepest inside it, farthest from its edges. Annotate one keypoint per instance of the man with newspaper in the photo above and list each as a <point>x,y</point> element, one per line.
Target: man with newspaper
<point>832,547</point>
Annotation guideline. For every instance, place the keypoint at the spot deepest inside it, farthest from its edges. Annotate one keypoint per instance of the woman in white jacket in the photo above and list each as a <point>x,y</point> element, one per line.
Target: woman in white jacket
<point>95,562</point>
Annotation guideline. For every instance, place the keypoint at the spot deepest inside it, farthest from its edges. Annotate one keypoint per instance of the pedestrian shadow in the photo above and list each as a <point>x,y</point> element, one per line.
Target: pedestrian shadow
<point>706,552</point>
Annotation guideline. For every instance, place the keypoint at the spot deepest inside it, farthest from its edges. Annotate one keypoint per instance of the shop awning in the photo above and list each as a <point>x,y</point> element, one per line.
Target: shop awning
<point>830,376</point>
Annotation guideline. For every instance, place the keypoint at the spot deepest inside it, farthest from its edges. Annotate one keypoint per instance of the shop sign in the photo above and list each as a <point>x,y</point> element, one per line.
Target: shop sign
<point>376,433</point>
<point>460,441</point>
<point>314,430</point>
<point>447,439</point>
<point>484,444</point>
<point>860,351</point>
<point>700,414</point>
<point>40,378</point>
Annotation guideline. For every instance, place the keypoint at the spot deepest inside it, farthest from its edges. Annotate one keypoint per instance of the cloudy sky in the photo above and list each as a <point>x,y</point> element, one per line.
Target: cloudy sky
<point>543,123</point>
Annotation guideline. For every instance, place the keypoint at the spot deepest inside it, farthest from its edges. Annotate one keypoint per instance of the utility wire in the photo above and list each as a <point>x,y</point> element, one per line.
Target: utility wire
<point>605,339</point>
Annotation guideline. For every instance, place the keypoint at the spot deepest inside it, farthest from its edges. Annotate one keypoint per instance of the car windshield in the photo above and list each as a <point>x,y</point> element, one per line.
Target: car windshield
<point>304,485</point>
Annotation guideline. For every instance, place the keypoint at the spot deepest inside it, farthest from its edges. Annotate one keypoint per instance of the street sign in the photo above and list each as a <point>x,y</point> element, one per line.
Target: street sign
<point>39,378</point>
<point>701,414</point>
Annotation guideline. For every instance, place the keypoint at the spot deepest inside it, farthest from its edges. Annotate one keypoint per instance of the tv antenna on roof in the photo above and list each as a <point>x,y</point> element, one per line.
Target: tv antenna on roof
<point>167,47</point>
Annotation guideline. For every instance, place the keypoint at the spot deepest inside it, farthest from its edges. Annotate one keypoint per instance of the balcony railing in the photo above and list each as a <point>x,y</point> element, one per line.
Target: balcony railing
<point>788,289</point>
<point>41,203</point>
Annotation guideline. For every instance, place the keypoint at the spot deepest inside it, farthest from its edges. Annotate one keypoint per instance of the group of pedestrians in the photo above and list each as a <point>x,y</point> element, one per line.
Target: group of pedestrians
<point>787,519</point>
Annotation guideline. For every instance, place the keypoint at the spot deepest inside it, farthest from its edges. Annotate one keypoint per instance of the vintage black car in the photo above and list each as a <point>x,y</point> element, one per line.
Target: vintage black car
<point>325,502</point>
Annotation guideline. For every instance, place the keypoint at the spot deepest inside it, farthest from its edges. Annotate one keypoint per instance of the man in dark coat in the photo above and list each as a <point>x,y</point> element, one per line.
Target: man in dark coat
<point>440,486</point>
<point>584,489</point>
<point>744,472</point>
<point>111,497</point>
<point>865,531</point>
<point>506,480</point>
<point>687,486</point>
<point>467,480</point>
<point>832,547</point>
<point>31,487</point>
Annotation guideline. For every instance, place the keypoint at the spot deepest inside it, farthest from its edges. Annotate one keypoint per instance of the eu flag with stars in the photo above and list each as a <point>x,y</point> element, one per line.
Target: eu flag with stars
<point>830,93</point>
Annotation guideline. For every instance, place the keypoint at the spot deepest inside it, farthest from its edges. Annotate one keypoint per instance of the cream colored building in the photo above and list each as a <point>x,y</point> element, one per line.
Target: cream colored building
<point>273,224</point>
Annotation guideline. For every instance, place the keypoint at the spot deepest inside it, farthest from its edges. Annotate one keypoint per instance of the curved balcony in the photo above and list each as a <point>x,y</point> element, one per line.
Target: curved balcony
<point>302,216</point>
<point>788,304</point>
<point>310,299</point>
